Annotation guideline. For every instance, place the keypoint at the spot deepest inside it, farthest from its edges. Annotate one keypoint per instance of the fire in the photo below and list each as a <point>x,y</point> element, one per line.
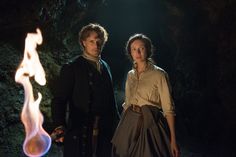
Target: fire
<point>37,141</point>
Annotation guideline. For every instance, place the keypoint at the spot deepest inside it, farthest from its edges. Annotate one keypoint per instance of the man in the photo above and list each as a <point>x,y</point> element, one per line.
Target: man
<point>85,85</point>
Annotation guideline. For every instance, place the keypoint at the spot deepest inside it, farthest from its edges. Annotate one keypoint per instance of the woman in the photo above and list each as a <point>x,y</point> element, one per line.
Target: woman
<point>146,128</point>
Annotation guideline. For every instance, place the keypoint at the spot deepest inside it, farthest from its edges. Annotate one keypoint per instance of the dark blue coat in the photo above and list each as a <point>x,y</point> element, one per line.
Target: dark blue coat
<point>84,93</point>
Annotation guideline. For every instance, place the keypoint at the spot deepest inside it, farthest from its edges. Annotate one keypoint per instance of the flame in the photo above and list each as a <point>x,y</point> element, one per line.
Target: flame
<point>37,141</point>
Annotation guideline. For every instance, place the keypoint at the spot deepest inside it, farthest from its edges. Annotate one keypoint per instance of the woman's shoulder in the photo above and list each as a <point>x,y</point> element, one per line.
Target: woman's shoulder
<point>131,73</point>
<point>158,70</point>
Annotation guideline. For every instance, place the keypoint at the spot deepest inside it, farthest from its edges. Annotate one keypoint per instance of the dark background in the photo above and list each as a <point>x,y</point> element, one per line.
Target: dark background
<point>195,43</point>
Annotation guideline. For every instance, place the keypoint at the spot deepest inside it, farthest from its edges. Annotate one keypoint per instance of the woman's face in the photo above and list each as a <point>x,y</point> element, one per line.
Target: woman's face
<point>138,51</point>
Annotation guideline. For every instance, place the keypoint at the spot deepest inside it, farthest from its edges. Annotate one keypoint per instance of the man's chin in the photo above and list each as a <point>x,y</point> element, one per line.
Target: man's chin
<point>97,53</point>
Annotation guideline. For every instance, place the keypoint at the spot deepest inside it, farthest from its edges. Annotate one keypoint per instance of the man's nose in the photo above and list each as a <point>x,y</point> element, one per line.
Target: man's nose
<point>139,51</point>
<point>98,44</point>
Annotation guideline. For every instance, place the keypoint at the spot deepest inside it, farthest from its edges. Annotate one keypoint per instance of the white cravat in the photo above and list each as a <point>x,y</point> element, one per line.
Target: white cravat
<point>97,60</point>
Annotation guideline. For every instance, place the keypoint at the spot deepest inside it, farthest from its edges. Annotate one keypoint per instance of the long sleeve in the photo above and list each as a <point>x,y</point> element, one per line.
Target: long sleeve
<point>63,92</point>
<point>165,95</point>
<point>127,93</point>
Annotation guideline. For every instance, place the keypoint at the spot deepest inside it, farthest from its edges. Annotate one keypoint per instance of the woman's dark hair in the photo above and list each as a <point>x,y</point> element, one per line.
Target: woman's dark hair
<point>147,42</point>
<point>93,27</point>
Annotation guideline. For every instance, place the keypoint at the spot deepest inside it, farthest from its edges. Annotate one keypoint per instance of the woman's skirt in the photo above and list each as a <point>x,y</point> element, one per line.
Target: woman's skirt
<point>142,134</point>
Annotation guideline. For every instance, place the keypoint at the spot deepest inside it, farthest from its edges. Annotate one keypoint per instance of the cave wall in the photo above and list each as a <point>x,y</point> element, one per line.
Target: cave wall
<point>195,43</point>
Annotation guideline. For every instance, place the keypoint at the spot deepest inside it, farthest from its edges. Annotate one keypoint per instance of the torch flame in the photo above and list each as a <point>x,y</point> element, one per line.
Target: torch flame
<point>37,141</point>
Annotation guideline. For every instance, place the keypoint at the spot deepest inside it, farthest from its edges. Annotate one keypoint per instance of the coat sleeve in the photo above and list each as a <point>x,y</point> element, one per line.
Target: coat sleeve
<point>62,95</point>
<point>115,115</point>
<point>126,104</point>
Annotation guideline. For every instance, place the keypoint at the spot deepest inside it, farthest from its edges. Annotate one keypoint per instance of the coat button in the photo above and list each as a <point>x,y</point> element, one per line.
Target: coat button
<point>90,83</point>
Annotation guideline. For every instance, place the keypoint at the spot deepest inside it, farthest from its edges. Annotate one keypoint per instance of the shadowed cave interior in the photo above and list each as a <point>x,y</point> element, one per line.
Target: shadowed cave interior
<point>195,43</point>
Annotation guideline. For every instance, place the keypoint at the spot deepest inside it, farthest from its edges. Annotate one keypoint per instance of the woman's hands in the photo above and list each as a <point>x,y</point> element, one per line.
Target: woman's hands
<point>174,149</point>
<point>173,144</point>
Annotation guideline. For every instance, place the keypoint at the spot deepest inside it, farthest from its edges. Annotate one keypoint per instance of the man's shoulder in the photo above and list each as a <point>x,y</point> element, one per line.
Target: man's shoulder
<point>72,63</point>
<point>75,61</point>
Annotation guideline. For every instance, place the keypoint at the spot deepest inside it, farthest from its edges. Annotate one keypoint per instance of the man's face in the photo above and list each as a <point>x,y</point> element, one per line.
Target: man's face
<point>93,45</point>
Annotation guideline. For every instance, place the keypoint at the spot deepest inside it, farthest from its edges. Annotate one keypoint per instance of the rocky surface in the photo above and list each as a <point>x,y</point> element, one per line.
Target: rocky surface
<point>195,43</point>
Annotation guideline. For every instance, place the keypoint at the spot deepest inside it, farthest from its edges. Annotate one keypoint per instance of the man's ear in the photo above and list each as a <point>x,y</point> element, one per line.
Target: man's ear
<point>83,43</point>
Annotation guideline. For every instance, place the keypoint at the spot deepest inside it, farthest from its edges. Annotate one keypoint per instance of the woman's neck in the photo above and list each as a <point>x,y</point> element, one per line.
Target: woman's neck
<point>141,66</point>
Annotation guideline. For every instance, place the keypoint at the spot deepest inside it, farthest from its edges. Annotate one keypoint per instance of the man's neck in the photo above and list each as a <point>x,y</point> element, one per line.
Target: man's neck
<point>95,60</point>
<point>91,58</point>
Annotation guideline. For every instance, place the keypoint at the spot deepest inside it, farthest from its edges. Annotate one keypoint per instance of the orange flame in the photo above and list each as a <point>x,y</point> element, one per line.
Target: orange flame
<point>37,141</point>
